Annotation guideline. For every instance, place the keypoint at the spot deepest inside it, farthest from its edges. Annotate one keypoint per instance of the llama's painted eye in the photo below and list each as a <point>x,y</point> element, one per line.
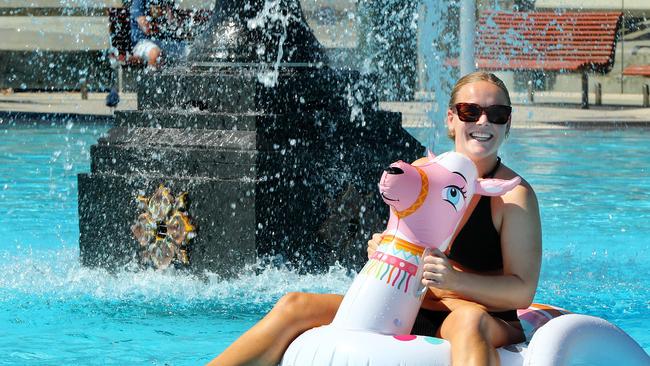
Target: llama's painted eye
<point>454,195</point>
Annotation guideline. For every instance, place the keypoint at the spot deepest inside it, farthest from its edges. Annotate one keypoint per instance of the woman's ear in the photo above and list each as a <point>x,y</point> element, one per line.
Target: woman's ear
<point>451,128</point>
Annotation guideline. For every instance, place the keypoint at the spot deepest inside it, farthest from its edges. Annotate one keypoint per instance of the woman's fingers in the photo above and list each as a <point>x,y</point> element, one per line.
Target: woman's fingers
<point>431,260</point>
<point>437,282</point>
<point>432,276</point>
<point>373,243</point>
<point>436,269</point>
<point>434,282</point>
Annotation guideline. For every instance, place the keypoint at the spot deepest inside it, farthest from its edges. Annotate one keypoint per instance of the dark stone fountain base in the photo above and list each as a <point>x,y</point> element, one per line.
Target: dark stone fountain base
<point>284,172</point>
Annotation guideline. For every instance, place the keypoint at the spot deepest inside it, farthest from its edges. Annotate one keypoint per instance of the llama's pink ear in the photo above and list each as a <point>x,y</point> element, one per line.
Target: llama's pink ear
<point>430,155</point>
<point>496,187</point>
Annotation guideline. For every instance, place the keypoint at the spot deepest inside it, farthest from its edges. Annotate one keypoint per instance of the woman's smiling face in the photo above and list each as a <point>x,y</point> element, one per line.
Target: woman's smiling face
<point>481,139</point>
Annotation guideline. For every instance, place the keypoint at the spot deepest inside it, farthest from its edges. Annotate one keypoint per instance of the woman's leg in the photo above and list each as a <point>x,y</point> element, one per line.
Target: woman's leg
<point>474,335</point>
<point>266,341</point>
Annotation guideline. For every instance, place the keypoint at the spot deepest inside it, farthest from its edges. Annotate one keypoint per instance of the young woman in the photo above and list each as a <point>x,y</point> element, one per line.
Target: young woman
<point>490,269</point>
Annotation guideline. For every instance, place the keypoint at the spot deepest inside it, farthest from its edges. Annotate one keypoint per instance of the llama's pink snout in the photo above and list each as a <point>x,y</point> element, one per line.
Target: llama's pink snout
<point>399,185</point>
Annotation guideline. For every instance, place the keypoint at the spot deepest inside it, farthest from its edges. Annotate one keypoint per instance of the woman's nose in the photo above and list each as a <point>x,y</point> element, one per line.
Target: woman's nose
<point>483,119</point>
<point>393,170</point>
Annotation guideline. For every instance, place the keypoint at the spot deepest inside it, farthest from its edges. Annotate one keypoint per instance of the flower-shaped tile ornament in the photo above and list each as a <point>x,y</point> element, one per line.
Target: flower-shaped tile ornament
<point>164,229</point>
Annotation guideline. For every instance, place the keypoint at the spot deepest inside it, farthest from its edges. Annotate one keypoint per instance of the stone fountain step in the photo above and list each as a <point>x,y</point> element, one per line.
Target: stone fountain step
<point>180,138</point>
<point>228,153</point>
<point>243,90</point>
<point>196,119</point>
<point>306,125</point>
<point>224,154</point>
<point>208,163</point>
<point>173,162</point>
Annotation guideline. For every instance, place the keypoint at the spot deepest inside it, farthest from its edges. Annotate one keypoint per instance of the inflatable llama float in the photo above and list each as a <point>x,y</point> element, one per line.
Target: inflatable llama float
<point>374,321</point>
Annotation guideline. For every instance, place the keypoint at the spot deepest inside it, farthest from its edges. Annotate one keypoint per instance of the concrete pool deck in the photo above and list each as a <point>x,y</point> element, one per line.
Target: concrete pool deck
<point>548,112</point>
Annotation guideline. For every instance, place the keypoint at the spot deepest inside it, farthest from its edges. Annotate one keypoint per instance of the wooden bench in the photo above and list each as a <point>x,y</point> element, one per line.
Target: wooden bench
<point>581,42</point>
<point>640,70</point>
<point>121,55</point>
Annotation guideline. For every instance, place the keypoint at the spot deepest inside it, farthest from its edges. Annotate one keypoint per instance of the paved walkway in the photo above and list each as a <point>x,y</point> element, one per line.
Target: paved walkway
<point>63,103</point>
<point>414,114</point>
<point>28,33</point>
<point>551,110</point>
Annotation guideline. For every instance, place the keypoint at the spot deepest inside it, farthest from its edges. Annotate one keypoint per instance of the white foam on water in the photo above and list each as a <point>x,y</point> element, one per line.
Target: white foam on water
<point>58,274</point>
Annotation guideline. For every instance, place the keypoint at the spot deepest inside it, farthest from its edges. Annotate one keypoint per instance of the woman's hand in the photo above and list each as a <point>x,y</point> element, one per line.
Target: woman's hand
<point>438,273</point>
<point>373,244</point>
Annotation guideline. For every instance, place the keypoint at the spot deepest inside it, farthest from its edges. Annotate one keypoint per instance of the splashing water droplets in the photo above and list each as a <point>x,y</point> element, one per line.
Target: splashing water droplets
<point>271,13</point>
<point>436,43</point>
<point>58,274</point>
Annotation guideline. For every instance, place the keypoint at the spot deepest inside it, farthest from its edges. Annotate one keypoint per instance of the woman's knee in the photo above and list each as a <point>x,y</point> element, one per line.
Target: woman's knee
<point>154,56</point>
<point>299,306</point>
<point>292,303</point>
<point>468,321</point>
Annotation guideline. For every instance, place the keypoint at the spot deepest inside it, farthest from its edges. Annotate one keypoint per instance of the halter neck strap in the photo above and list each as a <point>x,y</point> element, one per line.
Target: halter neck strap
<point>492,172</point>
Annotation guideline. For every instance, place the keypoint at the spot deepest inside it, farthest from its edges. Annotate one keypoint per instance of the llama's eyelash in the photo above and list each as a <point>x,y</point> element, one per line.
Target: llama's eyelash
<point>454,195</point>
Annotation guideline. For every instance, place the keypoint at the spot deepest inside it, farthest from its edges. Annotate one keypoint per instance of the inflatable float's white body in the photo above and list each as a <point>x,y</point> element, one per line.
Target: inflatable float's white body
<point>554,338</point>
<point>374,320</point>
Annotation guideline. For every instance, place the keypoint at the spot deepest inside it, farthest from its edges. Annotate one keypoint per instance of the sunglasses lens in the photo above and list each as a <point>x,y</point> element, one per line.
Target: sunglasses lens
<point>498,114</point>
<point>468,112</point>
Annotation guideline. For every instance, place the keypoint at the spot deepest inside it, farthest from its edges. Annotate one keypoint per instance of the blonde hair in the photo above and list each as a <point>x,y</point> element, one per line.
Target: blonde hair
<point>473,78</point>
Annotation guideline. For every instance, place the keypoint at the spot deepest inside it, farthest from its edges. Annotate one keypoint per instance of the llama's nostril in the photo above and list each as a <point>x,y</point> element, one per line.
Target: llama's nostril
<point>394,170</point>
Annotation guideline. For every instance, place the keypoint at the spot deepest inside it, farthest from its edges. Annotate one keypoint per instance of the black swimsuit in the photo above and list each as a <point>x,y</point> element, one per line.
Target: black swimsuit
<point>466,251</point>
<point>478,244</point>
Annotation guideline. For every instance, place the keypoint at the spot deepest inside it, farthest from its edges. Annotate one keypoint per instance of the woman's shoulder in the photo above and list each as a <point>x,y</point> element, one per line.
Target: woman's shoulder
<point>518,206</point>
<point>523,193</point>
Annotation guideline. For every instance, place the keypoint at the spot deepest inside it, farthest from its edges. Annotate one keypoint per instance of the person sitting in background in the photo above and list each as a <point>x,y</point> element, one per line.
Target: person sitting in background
<point>154,32</point>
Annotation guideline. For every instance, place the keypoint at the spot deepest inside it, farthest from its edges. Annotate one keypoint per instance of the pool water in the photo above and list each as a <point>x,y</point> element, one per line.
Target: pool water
<point>594,193</point>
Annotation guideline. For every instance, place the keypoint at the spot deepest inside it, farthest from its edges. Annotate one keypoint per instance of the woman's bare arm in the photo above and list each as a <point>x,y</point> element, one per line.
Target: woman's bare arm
<point>521,249</point>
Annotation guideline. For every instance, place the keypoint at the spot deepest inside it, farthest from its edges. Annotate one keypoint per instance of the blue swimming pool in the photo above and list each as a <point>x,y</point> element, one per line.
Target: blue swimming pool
<point>593,187</point>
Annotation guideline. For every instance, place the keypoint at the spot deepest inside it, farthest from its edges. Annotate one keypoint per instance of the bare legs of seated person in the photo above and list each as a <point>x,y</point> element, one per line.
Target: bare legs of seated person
<point>148,52</point>
<point>153,58</point>
<point>473,333</point>
<point>266,341</point>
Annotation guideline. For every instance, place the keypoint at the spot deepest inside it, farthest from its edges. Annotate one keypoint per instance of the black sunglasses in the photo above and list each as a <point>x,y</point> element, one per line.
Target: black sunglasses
<point>471,112</point>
